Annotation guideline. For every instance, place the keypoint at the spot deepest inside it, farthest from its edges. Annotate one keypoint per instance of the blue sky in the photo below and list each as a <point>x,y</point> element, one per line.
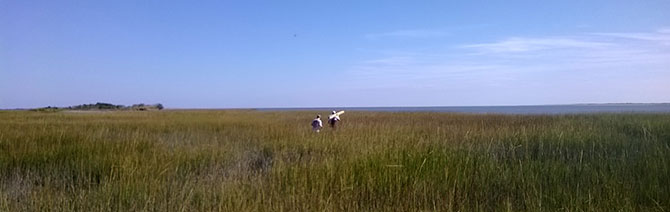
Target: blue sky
<point>231,54</point>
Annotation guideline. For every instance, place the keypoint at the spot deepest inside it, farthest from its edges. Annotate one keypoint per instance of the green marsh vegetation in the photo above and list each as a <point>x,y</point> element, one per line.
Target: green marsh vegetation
<point>271,161</point>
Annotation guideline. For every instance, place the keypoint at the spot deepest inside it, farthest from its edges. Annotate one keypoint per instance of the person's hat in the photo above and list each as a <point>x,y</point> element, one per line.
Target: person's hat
<point>334,112</point>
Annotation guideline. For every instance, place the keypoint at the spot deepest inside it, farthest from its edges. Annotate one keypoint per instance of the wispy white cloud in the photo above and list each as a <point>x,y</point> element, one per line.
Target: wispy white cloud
<point>414,33</point>
<point>661,35</point>
<point>520,44</point>
<point>639,36</point>
<point>596,63</point>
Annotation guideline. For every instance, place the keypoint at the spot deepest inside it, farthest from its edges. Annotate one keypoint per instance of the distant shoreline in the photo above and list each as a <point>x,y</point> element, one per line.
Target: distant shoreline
<point>400,108</point>
<point>522,109</point>
<point>345,107</point>
<point>576,104</point>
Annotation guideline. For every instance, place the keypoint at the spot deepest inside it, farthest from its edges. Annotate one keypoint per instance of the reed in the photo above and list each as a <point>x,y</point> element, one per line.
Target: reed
<point>230,160</point>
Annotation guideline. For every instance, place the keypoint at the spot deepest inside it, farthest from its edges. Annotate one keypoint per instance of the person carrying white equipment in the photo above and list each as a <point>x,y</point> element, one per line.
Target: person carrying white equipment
<point>317,124</point>
<point>334,118</point>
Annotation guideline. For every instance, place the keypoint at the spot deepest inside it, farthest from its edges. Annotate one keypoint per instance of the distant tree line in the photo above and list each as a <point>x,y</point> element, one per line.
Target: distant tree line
<point>104,106</point>
<point>96,106</point>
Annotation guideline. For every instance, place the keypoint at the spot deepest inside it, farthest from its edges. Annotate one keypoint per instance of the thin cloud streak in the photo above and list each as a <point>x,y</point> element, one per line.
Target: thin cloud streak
<point>581,61</point>
<point>662,36</point>
<point>518,44</point>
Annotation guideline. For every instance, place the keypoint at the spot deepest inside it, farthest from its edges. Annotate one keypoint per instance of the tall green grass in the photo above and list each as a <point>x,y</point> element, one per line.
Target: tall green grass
<point>272,161</point>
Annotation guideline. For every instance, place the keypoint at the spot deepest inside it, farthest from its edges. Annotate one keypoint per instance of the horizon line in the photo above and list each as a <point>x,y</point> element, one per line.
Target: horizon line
<point>422,106</point>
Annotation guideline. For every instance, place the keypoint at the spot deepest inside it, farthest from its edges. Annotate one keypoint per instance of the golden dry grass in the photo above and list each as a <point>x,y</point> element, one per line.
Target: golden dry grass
<point>225,160</point>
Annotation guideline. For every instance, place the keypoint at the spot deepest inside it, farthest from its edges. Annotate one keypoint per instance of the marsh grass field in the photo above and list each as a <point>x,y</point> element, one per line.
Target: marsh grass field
<point>232,160</point>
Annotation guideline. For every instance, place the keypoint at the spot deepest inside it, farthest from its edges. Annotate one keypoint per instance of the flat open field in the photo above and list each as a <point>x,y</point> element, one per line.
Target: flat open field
<point>272,161</point>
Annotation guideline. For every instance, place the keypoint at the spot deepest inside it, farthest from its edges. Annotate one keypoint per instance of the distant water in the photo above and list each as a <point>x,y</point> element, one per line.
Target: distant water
<point>535,109</point>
